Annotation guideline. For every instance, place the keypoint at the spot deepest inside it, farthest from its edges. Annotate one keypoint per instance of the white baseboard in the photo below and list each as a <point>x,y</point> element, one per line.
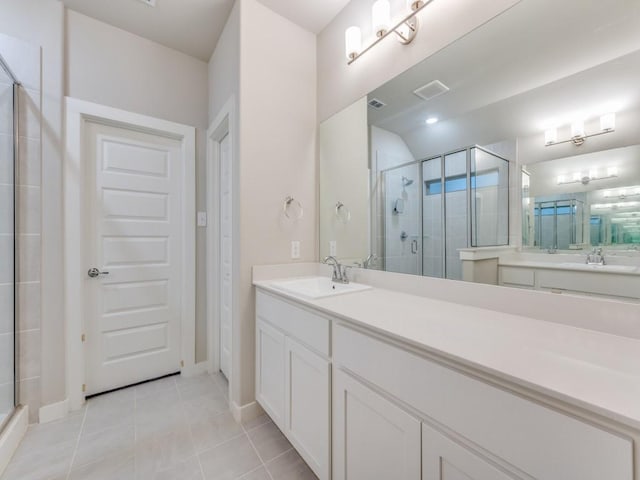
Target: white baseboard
<point>244,413</point>
<point>196,369</point>
<point>53,411</point>
<point>12,435</point>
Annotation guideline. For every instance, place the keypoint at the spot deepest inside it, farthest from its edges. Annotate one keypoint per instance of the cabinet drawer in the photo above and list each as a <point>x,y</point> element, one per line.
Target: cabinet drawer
<point>517,276</point>
<point>537,440</point>
<point>309,328</point>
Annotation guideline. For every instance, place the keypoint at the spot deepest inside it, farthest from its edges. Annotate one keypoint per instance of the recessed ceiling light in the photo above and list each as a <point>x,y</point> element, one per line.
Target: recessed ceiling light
<point>431,120</point>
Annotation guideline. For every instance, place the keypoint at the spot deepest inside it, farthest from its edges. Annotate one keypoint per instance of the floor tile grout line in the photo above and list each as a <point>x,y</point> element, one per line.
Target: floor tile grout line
<point>75,450</point>
<point>188,424</point>
<point>259,456</point>
<point>245,475</point>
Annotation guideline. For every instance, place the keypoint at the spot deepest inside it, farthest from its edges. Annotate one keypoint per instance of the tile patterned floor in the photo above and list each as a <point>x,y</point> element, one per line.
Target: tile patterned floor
<point>171,429</point>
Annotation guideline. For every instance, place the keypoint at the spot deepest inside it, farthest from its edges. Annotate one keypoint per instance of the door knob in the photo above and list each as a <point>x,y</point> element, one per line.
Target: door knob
<point>94,272</point>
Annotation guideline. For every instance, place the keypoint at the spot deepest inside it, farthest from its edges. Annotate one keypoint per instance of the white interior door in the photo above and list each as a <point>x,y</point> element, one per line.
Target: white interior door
<point>225,257</point>
<point>132,213</point>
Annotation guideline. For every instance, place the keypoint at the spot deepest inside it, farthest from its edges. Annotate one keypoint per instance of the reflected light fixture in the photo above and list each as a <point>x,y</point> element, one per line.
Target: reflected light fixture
<point>404,29</point>
<point>578,177</point>
<point>431,120</point>
<point>578,134</point>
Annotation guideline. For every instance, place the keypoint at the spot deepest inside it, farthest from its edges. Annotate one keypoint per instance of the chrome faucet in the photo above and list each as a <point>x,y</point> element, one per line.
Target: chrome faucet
<point>369,261</point>
<point>339,271</point>
<point>595,257</point>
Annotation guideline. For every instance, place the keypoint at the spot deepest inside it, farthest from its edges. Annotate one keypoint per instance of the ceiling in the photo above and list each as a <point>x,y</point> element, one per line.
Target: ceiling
<point>194,26</point>
<point>518,74</point>
<point>312,15</point>
<point>189,26</point>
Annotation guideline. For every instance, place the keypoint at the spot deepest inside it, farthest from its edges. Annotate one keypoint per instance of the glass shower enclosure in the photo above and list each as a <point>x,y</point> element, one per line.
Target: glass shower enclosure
<point>8,147</point>
<point>435,207</point>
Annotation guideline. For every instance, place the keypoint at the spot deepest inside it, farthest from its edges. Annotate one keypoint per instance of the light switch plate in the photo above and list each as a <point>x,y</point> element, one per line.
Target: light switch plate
<point>202,219</point>
<point>333,248</point>
<point>295,249</point>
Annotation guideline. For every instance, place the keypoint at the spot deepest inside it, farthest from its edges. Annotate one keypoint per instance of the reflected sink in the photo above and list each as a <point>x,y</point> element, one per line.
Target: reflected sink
<point>603,268</point>
<point>317,287</point>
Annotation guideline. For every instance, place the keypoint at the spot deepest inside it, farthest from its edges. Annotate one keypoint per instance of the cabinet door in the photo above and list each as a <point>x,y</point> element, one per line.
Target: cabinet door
<point>445,459</point>
<point>373,438</point>
<point>307,405</point>
<point>270,379</point>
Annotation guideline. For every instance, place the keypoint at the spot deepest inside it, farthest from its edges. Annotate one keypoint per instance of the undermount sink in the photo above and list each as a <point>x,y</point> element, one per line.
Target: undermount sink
<point>317,287</point>
<point>604,268</point>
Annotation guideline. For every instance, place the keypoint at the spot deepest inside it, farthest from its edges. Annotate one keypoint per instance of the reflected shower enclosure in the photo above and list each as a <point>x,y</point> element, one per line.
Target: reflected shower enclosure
<point>435,207</point>
<point>8,135</point>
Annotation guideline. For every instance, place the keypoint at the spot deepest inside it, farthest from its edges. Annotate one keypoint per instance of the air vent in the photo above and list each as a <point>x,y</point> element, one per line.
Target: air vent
<point>151,3</point>
<point>431,90</point>
<point>375,103</point>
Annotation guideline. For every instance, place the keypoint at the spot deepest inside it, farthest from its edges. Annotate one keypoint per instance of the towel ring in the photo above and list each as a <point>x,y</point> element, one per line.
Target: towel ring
<point>342,212</point>
<point>289,208</point>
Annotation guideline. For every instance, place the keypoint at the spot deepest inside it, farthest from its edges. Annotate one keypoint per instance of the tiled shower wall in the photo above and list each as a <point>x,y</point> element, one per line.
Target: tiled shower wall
<point>25,62</point>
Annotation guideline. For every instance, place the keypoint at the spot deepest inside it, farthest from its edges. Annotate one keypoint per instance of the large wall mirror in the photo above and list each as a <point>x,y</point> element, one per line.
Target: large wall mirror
<point>510,157</point>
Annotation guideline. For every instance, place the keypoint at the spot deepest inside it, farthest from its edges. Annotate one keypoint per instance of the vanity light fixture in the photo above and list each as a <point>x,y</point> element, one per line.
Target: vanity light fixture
<point>578,134</point>
<point>404,29</point>
<point>622,193</point>
<point>579,177</point>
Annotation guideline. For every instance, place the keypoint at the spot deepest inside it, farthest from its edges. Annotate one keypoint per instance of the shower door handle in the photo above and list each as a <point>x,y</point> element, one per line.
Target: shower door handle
<point>414,246</point>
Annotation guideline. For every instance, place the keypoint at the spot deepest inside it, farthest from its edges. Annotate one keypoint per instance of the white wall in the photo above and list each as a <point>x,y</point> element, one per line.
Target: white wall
<point>110,66</point>
<point>277,158</point>
<point>442,22</point>
<point>40,22</point>
<point>344,176</point>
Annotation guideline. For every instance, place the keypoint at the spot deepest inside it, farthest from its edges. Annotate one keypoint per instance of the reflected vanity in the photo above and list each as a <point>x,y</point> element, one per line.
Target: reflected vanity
<point>508,170</point>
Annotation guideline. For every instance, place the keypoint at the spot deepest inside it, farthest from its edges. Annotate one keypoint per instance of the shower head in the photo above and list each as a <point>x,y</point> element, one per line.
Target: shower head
<point>406,181</point>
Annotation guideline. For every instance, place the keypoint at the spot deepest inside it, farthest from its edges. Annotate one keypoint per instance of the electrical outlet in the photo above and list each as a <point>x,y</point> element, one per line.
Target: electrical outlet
<point>333,248</point>
<point>295,249</point>
<point>202,219</point>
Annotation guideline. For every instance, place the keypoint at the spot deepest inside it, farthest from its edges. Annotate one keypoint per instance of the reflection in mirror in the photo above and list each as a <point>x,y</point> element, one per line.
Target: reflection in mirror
<point>601,207</point>
<point>518,140</point>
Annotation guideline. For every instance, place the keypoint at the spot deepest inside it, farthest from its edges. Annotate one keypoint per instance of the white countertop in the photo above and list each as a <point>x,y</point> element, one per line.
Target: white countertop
<point>597,371</point>
<point>572,266</point>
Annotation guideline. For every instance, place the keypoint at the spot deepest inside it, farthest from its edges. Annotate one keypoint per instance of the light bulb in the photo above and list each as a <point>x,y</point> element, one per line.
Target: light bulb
<point>577,129</point>
<point>381,16</point>
<point>612,171</point>
<point>550,136</point>
<point>608,122</point>
<point>353,42</point>
<point>561,179</point>
<point>431,120</point>
<point>577,176</point>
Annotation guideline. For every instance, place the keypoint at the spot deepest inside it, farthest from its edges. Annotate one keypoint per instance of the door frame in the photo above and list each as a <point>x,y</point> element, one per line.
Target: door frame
<point>222,126</point>
<point>77,114</point>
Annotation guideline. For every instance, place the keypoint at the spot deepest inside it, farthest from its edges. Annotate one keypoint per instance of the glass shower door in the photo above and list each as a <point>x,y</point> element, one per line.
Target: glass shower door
<point>432,221</point>
<point>456,201</point>
<point>402,228</point>
<point>7,293</point>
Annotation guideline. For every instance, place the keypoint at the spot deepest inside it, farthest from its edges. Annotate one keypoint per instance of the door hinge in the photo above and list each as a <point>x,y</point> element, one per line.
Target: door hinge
<point>84,387</point>
<point>182,363</point>
<point>83,337</point>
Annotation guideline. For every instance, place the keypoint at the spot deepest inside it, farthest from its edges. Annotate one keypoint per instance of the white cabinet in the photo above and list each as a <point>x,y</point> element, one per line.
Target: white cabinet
<point>293,377</point>
<point>307,405</point>
<point>445,459</point>
<point>373,439</point>
<point>270,380</point>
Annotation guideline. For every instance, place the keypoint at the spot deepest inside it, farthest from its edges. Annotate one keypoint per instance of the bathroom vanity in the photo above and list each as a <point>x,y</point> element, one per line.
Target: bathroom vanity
<point>379,384</point>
